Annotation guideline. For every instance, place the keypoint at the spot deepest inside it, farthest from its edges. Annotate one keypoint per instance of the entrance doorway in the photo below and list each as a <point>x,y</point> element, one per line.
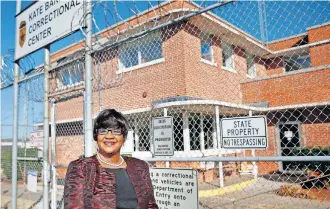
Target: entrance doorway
<point>289,139</point>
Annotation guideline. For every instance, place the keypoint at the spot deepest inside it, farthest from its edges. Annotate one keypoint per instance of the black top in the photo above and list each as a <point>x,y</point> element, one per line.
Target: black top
<point>125,192</point>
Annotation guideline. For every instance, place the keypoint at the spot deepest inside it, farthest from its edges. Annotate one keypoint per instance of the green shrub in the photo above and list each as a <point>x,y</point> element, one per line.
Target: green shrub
<point>320,166</point>
<point>6,162</point>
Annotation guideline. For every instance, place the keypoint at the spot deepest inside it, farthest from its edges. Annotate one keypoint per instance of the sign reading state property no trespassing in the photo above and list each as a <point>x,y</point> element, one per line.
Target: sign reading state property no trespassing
<point>244,133</point>
<point>45,22</point>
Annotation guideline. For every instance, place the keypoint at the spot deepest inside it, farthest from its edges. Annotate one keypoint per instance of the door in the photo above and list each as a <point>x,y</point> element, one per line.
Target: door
<point>289,140</point>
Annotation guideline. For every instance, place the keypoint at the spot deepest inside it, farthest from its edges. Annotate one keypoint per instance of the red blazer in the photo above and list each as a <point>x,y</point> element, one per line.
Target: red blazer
<point>89,185</point>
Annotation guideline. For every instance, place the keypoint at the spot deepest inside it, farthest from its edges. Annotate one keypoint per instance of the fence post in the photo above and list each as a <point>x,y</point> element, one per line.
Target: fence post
<point>46,130</point>
<point>217,120</point>
<point>89,146</point>
<point>53,131</point>
<point>255,167</point>
<point>167,162</point>
<point>15,126</point>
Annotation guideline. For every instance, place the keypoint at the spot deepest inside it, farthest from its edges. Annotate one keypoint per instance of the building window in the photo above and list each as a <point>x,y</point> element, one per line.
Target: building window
<point>297,62</point>
<point>251,67</point>
<point>140,51</point>
<point>178,132</point>
<point>206,48</point>
<point>208,130</point>
<point>201,131</point>
<point>228,56</point>
<point>69,77</point>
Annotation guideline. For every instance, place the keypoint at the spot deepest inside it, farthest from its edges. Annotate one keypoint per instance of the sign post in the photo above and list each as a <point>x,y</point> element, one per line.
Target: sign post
<point>244,133</point>
<point>163,142</point>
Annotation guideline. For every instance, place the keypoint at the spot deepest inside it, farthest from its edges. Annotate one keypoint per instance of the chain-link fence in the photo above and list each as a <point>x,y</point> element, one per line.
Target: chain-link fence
<point>29,150</point>
<point>199,63</point>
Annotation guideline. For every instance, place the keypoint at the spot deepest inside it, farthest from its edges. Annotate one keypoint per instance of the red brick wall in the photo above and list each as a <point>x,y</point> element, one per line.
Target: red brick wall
<point>68,148</point>
<point>208,81</point>
<point>320,55</point>
<point>285,44</point>
<point>299,88</point>
<point>317,134</point>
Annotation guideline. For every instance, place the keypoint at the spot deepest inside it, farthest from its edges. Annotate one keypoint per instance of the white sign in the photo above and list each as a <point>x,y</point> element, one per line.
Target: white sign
<point>45,22</point>
<point>37,139</point>
<point>175,188</point>
<point>32,181</point>
<point>163,136</point>
<point>244,133</point>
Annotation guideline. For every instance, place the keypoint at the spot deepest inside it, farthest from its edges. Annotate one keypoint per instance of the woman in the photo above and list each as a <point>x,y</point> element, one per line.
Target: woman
<point>108,180</point>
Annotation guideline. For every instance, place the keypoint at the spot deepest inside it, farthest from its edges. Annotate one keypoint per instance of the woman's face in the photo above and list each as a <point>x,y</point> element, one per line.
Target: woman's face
<point>110,142</point>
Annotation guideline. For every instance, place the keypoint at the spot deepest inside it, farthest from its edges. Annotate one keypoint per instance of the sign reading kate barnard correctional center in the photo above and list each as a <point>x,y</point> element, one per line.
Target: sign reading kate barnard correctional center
<point>175,188</point>
<point>244,133</point>
<point>45,22</point>
<point>163,136</point>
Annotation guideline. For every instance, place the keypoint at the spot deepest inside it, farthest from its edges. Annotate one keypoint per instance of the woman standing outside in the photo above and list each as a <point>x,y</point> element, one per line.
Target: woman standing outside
<point>108,180</point>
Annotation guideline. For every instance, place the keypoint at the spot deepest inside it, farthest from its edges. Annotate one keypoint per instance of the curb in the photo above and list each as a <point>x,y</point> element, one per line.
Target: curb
<point>224,190</point>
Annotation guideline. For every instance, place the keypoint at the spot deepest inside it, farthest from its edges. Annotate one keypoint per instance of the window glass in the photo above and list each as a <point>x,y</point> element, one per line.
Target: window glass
<point>128,56</point>
<point>227,55</point>
<point>139,51</point>
<point>251,68</point>
<point>69,76</point>
<point>206,51</point>
<point>151,50</point>
<point>297,62</point>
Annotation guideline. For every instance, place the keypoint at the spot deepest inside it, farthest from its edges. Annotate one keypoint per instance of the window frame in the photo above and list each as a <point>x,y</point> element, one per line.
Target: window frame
<point>253,66</point>
<point>156,36</point>
<point>226,46</point>
<point>207,40</point>
<point>61,78</point>
<point>306,56</point>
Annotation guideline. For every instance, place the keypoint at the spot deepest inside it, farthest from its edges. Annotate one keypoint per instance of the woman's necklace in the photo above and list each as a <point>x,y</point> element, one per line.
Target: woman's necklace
<point>111,164</point>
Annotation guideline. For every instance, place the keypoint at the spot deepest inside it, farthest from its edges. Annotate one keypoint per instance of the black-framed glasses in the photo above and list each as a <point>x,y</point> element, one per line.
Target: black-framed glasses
<point>105,131</point>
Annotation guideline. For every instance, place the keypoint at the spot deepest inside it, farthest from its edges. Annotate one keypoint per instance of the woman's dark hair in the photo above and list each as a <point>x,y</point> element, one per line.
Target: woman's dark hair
<point>110,118</point>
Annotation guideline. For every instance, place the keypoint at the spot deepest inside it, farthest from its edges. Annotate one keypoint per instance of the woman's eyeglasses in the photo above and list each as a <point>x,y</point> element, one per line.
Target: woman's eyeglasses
<point>105,131</point>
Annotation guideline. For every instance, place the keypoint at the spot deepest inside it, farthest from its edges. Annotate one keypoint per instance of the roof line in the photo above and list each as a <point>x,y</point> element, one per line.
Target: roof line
<point>287,38</point>
<point>319,25</point>
<point>306,70</point>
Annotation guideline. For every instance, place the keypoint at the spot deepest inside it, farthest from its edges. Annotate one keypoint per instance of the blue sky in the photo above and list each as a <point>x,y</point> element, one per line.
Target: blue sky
<point>279,18</point>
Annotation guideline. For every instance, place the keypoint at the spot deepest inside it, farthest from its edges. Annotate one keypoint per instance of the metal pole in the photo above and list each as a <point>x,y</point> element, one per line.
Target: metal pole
<point>46,130</point>
<point>15,125</point>
<point>89,147</point>
<point>255,167</point>
<point>53,131</point>
<point>167,163</point>
<point>24,132</point>
<point>217,121</point>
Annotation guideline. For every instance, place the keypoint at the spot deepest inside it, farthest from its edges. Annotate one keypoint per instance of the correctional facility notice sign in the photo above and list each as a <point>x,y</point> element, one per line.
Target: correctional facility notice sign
<point>37,139</point>
<point>175,188</point>
<point>45,22</point>
<point>244,133</point>
<point>162,134</point>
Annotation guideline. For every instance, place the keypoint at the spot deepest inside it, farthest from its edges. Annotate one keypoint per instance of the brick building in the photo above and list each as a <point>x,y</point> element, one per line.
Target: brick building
<point>191,68</point>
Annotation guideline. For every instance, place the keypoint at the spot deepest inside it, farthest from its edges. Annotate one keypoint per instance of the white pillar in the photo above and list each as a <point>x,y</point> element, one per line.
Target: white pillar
<point>201,136</point>
<point>167,164</point>
<point>255,167</point>
<point>217,120</point>
<point>186,137</point>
